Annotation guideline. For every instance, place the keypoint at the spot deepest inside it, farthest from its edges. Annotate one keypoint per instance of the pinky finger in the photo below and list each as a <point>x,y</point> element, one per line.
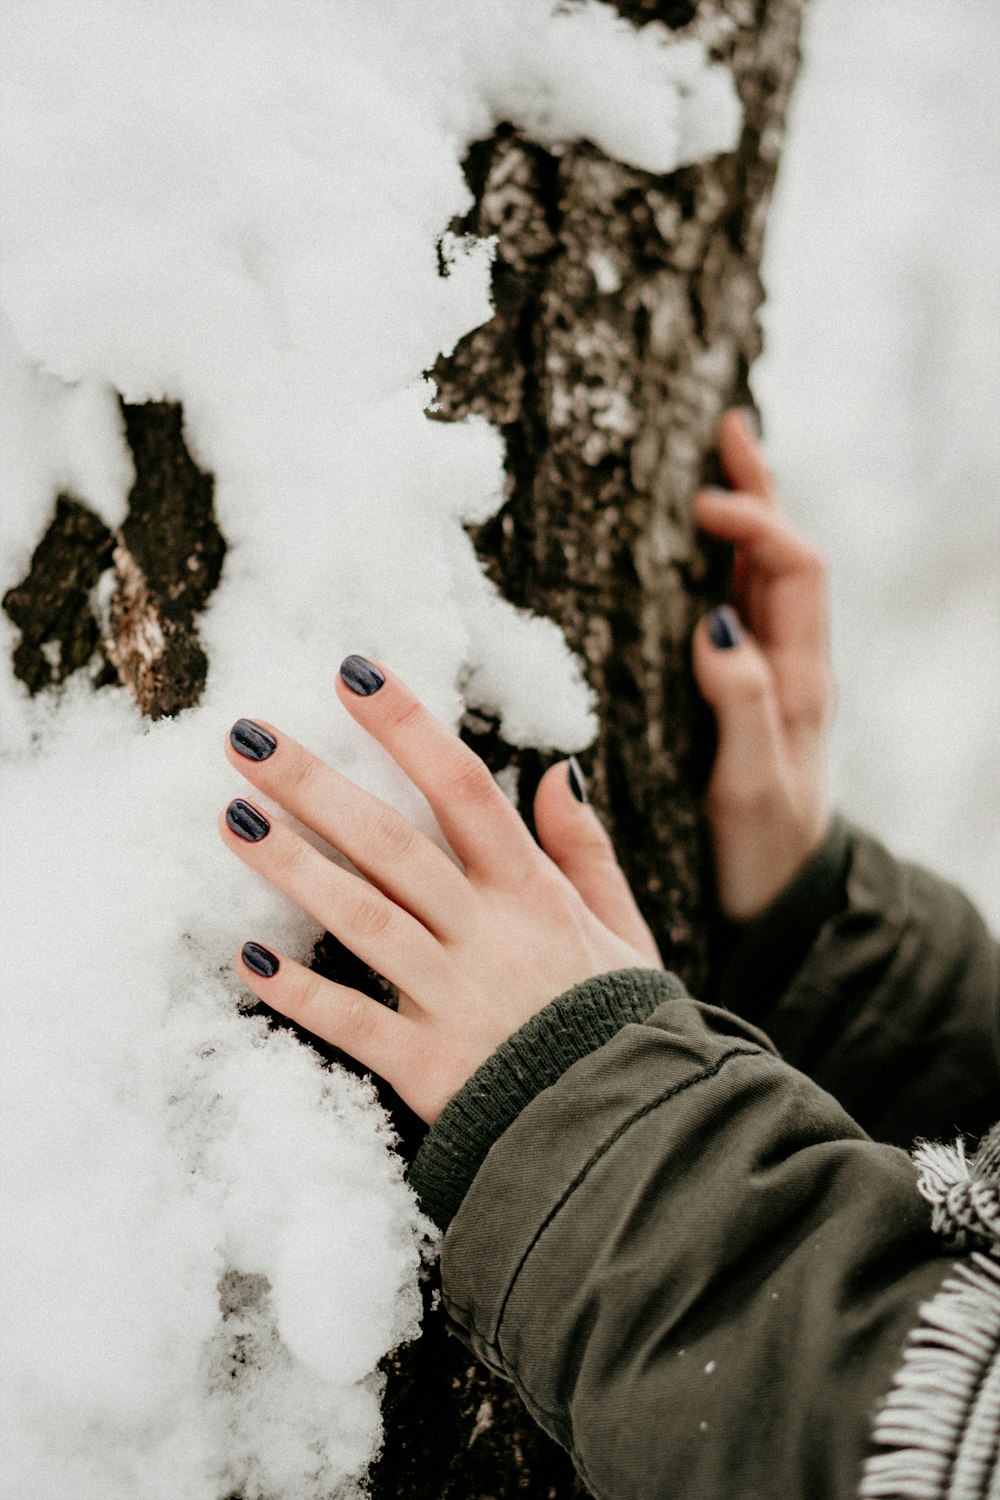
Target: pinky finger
<point>365,1029</point>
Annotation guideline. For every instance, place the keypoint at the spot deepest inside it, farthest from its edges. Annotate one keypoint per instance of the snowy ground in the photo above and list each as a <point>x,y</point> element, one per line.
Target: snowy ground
<point>881,396</point>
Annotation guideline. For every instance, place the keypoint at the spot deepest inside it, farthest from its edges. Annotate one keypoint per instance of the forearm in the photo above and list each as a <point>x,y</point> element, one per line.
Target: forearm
<point>695,1267</point>
<point>882,982</point>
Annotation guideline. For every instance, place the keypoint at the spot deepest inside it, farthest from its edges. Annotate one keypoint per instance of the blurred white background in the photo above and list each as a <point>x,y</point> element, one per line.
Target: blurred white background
<point>880,389</point>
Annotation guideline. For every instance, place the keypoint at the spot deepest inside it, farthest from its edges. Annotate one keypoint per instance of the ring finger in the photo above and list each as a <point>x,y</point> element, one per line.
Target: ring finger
<point>387,938</point>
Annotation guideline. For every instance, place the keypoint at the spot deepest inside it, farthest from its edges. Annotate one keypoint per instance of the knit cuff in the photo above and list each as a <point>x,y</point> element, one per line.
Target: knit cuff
<point>535,1057</point>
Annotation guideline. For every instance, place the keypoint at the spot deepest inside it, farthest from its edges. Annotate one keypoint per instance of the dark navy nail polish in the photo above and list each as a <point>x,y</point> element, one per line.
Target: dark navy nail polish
<point>246,821</point>
<point>361,675</point>
<point>261,960</point>
<point>577,780</point>
<point>724,628</point>
<point>249,740</point>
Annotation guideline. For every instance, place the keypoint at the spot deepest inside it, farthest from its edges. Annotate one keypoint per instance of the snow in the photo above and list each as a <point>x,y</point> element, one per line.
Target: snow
<point>879,388</point>
<point>207,1238</point>
<point>238,207</point>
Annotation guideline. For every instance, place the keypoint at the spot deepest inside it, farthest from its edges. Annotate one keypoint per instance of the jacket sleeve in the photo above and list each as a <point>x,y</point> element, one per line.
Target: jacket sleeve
<point>697,1270</point>
<point>882,982</point>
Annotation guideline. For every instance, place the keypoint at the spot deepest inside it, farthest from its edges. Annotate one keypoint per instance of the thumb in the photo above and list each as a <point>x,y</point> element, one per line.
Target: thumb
<point>736,679</point>
<point>574,838</point>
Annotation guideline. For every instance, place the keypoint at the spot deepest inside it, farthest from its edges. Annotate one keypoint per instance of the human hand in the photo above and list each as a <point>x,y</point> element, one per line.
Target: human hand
<point>763,665</point>
<point>474,950</point>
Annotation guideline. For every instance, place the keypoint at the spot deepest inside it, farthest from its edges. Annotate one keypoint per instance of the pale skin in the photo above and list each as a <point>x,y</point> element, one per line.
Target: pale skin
<point>478,946</point>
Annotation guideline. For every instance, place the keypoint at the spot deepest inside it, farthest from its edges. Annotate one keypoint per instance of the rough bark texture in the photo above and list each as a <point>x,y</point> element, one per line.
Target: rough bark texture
<point>164,564</point>
<point>625,323</point>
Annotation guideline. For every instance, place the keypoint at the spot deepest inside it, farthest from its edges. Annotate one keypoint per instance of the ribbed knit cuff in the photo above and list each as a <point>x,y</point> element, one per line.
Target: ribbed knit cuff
<point>535,1057</point>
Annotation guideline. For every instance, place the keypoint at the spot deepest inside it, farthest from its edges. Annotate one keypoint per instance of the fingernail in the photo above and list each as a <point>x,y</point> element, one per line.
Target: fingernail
<point>577,780</point>
<point>261,960</point>
<point>249,740</point>
<point>724,628</point>
<point>246,821</point>
<point>750,417</point>
<point>361,675</point>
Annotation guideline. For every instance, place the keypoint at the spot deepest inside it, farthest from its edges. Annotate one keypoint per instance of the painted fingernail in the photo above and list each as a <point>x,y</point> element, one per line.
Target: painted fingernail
<point>577,780</point>
<point>246,822</point>
<point>361,675</point>
<point>724,628</point>
<point>249,740</point>
<point>750,417</point>
<point>260,960</point>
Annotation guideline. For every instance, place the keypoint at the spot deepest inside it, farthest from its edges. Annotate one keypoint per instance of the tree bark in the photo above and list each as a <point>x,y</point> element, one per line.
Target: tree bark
<point>626,321</point>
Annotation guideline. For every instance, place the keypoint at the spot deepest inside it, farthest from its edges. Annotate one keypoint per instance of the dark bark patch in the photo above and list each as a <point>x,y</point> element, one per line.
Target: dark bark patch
<point>170,530</point>
<point>167,560</point>
<point>51,606</point>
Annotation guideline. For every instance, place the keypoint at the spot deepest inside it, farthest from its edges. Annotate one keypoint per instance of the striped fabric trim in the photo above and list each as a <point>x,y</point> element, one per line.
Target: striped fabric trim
<point>938,1429</point>
<point>964,1196</point>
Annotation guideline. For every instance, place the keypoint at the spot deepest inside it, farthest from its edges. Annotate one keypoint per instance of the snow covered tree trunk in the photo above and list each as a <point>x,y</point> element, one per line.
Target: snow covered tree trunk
<point>626,321</point>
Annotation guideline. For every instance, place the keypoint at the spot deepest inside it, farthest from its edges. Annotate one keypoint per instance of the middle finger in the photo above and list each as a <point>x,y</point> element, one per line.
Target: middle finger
<point>378,840</point>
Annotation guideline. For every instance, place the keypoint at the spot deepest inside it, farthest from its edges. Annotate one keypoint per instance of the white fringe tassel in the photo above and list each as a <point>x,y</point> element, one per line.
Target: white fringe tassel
<point>940,1423</point>
<point>964,1198</point>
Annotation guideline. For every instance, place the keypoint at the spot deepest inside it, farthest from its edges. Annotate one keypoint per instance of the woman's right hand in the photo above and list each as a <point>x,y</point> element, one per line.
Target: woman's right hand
<point>763,665</point>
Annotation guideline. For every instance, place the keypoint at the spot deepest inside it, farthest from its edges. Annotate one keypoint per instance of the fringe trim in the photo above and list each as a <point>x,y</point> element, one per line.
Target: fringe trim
<point>941,1420</point>
<point>964,1197</point>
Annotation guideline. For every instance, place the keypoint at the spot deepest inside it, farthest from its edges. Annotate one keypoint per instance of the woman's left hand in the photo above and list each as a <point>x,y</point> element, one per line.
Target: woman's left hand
<point>474,950</point>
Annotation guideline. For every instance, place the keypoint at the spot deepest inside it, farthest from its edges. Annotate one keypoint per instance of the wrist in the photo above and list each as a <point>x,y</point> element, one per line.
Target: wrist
<point>766,952</point>
<point>568,1029</point>
<point>755,864</point>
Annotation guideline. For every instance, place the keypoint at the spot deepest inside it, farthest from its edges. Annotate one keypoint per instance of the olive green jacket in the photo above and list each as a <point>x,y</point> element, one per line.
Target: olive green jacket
<point>688,1234</point>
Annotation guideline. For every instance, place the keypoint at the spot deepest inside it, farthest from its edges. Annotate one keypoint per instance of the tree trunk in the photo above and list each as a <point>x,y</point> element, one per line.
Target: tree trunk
<point>626,321</point>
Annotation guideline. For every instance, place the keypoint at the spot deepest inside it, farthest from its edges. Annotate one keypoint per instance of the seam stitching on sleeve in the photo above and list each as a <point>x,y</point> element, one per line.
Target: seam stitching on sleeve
<point>605,1146</point>
<point>494,1345</point>
<point>603,1149</point>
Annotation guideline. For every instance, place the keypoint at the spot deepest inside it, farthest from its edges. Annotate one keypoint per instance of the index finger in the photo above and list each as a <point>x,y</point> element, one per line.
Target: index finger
<point>784,573</point>
<point>743,458</point>
<point>480,824</point>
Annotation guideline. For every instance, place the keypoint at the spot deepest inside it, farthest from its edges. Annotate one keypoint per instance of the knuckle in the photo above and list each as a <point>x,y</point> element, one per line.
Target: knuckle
<point>370,915</point>
<point>597,846</point>
<point>545,889</point>
<point>747,683</point>
<point>285,858</point>
<point>754,686</point>
<point>810,696</point>
<point>299,777</point>
<point>407,712</point>
<point>360,1016</point>
<point>306,991</point>
<point>473,783</point>
<point>390,831</point>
